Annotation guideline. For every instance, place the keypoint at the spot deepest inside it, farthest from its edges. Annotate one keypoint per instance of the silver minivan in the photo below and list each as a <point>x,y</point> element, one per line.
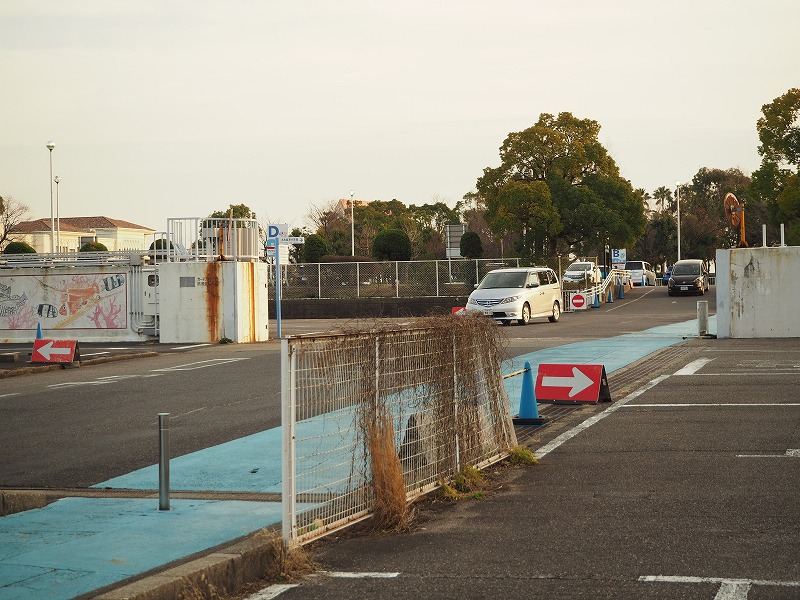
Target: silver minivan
<point>641,272</point>
<point>518,294</point>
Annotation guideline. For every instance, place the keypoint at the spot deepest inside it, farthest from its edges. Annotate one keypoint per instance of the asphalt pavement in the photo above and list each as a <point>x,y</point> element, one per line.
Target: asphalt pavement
<point>685,486</point>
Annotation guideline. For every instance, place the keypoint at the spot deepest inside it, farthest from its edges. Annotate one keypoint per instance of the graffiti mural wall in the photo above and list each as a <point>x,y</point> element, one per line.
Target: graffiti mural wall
<point>72,301</point>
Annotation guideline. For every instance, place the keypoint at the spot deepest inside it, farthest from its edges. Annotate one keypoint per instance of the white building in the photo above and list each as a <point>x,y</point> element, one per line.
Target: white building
<point>73,232</point>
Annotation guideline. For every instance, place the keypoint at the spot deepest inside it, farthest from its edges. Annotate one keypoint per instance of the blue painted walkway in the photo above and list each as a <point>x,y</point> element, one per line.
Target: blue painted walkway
<point>77,545</point>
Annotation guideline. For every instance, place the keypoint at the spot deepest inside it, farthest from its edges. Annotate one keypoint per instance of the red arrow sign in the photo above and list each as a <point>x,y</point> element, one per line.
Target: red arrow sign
<point>55,351</point>
<point>571,384</point>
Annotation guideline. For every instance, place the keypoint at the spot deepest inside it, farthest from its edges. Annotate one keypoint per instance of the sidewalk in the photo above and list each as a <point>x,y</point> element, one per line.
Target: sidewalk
<point>77,545</point>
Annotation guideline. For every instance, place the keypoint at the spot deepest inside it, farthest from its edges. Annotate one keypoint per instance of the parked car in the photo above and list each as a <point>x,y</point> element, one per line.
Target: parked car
<point>689,276</point>
<point>584,272</point>
<point>641,272</point>
<point>518,294</point>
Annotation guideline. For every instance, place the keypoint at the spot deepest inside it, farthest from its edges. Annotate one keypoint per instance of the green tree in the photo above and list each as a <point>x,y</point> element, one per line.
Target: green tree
<point>470,245</point>
<point>93,247</point>
<point>315,248</point>
<point>19,248</point>
<point>391,244</point>
<point>589,198</point>
<point>774,183</point>
<point>234,211</point>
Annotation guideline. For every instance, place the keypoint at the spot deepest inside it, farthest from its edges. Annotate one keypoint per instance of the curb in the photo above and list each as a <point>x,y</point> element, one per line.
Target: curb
<point>92,361</point>
<point>14,502</point>
<point>253,558</point>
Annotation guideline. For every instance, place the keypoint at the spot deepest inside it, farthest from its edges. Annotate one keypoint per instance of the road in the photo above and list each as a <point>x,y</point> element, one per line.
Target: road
<point>78,427</point>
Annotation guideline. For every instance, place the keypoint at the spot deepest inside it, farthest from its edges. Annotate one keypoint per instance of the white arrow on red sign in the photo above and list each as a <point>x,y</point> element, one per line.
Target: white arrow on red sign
<point>48,350</point>
<point>571,383</point>
<point>578,381</point>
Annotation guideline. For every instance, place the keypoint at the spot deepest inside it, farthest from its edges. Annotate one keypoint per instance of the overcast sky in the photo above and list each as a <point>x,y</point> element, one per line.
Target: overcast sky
<point>178,108</point>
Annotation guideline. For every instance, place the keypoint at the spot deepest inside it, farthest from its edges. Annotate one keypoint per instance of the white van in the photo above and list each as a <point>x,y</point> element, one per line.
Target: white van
<point>641,272</point>
<point>519,294</point>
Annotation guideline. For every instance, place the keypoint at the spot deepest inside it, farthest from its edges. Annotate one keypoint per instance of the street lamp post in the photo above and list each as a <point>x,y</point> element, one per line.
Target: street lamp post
<point>678,196</point>
<point>50,146</point>
<point>57,179</point>
<point>352,227</point>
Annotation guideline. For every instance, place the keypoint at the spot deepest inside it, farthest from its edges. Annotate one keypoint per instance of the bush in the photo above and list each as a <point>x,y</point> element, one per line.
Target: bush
<point>470,245</point>
<point>314,248</point>
<point>19,248</point>
<point>93,247</point>
<point>391,244</point>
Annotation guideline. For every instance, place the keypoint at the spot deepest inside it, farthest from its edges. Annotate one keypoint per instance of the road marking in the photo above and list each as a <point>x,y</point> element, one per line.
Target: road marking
<point>694,366</point>
<point>791,453</point>
<point>568,435</point>
<point>729,589</point>
<point>719,404</point>
<point>192,346</point>
<point>362,575</point>
<point>93,354</point>
<point>77,383</point>
<point>631,301</point>
<point>272,591</point>
<point>9,395</point>
<point>214,362</point>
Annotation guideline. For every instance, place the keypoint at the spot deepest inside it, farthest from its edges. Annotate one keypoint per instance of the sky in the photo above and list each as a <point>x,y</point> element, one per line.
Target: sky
<point>165,109</point>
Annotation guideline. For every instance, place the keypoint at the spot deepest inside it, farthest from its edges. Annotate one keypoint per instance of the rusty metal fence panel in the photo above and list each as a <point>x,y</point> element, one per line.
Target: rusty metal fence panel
<point>444,398</point>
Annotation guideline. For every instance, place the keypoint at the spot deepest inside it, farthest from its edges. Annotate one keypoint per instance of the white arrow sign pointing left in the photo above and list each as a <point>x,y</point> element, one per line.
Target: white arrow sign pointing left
<point>47,350</point>
<point>578,382</point>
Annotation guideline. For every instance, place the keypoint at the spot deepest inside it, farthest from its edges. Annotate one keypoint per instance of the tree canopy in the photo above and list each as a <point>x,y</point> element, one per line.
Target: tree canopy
<point>560,189</point>
<point>391,244</point>
<point>777,181</point>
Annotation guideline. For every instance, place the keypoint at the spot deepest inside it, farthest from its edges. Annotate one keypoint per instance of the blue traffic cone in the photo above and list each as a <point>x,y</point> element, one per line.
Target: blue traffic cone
<point>528,408</point>
<point>38,331</point>
<point>610,294</point>
<point>621,290</point>
<point>596,303</point>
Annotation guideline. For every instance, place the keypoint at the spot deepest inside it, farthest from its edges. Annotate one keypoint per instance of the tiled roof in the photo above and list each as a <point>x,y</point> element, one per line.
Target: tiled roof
<point>40,225</point>
<point>102,222</point>
<point>78,224</point>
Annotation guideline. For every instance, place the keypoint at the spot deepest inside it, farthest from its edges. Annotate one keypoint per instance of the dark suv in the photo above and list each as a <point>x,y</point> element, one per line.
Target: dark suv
<point>688,277</point>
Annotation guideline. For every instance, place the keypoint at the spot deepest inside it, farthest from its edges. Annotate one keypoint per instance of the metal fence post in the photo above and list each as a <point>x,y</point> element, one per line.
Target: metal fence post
<point>288,405</point>
<point>163,461</point>
<point>702,317</point>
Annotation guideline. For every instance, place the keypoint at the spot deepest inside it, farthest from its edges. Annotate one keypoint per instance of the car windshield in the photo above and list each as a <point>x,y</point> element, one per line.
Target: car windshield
<point>507,279</point>
<point>687,269</point>
<point>582,266</point>
<point>636,266</point>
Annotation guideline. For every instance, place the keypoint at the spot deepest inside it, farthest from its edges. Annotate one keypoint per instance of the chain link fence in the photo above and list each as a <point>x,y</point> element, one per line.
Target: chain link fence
<point>399,279</point>
<point>418,404</point>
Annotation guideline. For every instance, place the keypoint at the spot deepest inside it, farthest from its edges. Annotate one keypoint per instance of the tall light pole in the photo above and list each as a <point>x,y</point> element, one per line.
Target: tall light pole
<point>50,146</point>
<point>57,179</point>
<point>678,196</point>
<point>352,227</point>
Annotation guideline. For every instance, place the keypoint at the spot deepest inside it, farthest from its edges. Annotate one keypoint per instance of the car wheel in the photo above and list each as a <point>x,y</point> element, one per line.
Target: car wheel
<point>556,313</point>
<point>669,293</point>
<point>526,315</point>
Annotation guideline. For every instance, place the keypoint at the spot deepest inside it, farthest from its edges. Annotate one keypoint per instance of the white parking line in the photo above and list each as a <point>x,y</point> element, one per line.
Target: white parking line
<point>694,366</point>
<point>202,364</point>
<point>568,435</point>
<point>84,354</point>
<point>9,395</point>
<point>715,405</point>
<point>192,346</point>
<point>791,453</point>
<point>272,591</point>
<point>729,589</point>
<point>362,575</point>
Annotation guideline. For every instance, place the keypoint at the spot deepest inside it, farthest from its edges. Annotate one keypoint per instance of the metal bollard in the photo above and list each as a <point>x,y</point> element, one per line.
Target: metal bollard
<point>163,461</point>
<point>702,317</point>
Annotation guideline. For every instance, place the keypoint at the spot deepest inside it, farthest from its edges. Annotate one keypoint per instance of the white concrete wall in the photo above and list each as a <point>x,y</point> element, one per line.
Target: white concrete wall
<point>206,302</point>
<point>757,292</point>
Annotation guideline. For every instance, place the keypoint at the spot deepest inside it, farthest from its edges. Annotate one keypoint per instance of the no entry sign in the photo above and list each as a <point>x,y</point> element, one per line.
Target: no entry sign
<point>578,301</point>
<point>572,384</point>
<point>55,351</point>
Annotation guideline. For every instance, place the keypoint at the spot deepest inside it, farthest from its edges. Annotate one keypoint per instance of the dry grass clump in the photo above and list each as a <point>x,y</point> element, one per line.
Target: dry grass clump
<point>519,455</point>
<point>469,483</point>
<point>388,483</point>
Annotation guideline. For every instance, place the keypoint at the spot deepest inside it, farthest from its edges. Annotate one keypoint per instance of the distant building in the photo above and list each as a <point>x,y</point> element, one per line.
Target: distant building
<point>114,234</point>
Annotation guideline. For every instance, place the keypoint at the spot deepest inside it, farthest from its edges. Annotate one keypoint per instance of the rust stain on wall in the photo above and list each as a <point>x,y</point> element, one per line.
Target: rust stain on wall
<point>212,299</point>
